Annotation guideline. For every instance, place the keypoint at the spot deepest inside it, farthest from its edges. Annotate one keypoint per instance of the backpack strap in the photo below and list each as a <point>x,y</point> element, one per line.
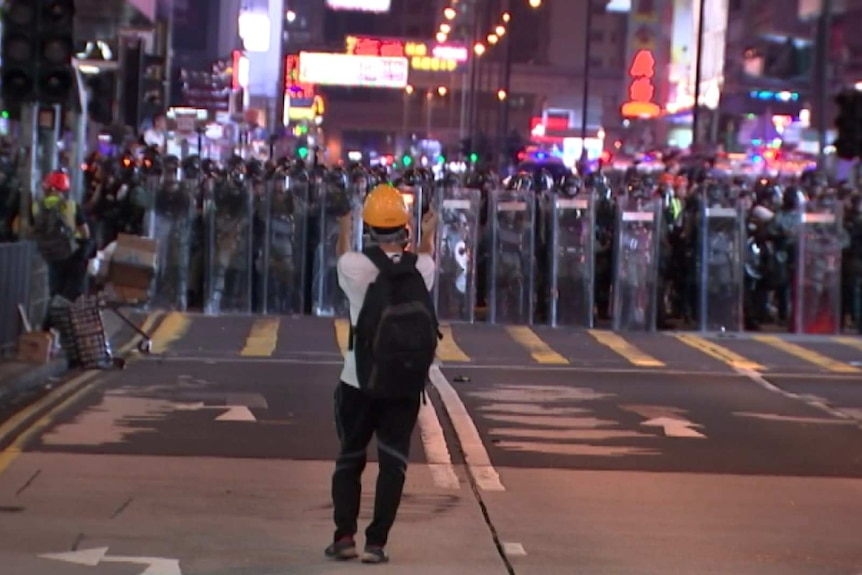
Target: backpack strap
<point>378,257</point>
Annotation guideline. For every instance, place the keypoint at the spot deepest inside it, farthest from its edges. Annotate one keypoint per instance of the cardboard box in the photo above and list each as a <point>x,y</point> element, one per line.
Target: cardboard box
<point>135,251</point>
<point>133,267</point>
<point>35,347</point>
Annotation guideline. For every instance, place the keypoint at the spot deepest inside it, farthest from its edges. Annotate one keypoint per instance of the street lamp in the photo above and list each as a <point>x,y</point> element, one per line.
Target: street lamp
<point>479,48</point>
<point>506,17</point>
<point>502,95</point>
<point>290,16</point>
<point>445,28</point>
<point>442,91</point>
<point>441,37</point>
<point>449,13</point>
<point>535,3</point>
<point>493,39</point>
<point>500,30</point>
<point>408,89</point>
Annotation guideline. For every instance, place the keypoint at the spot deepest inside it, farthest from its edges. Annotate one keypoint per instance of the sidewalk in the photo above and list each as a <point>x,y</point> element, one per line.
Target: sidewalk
<point>18,377</point>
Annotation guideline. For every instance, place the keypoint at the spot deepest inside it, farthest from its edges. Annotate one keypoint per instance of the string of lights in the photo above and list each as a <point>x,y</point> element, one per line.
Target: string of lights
<point>492,38</point>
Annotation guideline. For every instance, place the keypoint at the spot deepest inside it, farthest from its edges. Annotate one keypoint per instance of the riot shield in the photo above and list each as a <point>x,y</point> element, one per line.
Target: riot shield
<point>721,269</point>
<point>281,258</point>
<point>512,264</point>
<point>457,241</point>
<point>817,285</point>
<point>332,202</point>
<point>172,227</point>
<point>414,198</point>
<point>230,245</point>
<point>636,253</point>
<point>571,260</point>
<point>143,197</point>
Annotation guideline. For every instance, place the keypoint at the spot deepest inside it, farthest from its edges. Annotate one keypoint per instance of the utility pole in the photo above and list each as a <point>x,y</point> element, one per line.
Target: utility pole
<point>505,86</point>
<point>585,106</point>
<point>698,65</point>
<point>824,22</point>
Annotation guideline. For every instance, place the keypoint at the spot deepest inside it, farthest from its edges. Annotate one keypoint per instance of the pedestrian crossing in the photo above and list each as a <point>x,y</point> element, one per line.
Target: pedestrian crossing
<point>251,337</point>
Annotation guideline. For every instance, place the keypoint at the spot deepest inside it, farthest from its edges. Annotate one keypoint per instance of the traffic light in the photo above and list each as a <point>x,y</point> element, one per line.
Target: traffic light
<point>20,49</point>
<point>38,44</point>
<point>56,47</point>
<point>302,152</point>
<point>848,144</point>
<point>406,161</point>
<point>474,157</point>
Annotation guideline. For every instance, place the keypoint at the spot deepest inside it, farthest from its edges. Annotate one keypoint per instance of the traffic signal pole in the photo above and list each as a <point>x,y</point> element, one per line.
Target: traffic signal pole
<point>822,83</point>
<point>29,167</point>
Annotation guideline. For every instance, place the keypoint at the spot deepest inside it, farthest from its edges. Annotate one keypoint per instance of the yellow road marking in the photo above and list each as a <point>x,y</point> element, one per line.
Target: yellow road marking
<point>808,355</point>
<point>540,350</point>
<point>66,394</point>
<point>448,349</point>
<point>263,338</point>
<point>625,349</point>
<point>172,329</point>
<point>853,342</point>
<point>342,333</point>
<point>718,352</point>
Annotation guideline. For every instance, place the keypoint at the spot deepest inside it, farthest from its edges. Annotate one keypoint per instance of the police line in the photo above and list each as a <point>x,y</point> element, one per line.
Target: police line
<point>270,247</point>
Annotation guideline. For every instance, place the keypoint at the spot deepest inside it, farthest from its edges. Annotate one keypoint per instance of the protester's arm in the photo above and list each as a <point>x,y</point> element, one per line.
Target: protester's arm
<point>344,235</point>
<point>429,233</point>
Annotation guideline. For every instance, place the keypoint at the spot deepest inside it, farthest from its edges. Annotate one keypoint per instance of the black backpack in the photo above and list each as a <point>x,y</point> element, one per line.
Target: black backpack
<point>55,240</point>
<point>396,334</point>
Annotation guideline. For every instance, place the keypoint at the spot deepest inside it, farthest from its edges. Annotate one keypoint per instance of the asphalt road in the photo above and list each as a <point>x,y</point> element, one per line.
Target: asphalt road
<point>540,452</point>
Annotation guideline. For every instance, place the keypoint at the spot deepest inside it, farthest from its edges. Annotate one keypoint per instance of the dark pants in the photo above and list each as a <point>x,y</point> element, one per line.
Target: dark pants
<point>68,278</point>
<point>357,418</point>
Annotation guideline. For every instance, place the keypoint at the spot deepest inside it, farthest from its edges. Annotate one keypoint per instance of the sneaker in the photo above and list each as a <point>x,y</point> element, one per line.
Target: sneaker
<point>342,550</point>
<point>374,554</point>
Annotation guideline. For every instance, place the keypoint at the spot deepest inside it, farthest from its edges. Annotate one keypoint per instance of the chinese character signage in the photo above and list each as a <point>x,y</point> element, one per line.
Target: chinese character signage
<point>292,85</point>
<point>422,56</point>
<point>353,70</point>
<point>641,95</point>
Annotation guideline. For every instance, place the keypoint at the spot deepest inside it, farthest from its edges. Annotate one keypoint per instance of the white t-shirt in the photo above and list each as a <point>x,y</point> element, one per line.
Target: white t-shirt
<point>355,273</point>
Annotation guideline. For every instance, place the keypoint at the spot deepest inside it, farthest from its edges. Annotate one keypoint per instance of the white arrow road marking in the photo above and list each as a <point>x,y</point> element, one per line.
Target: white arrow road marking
<point>93,557</point>
<point>580,449</point>
<point>676,427</point>
<point>794,419</point>
<point>231,412</point>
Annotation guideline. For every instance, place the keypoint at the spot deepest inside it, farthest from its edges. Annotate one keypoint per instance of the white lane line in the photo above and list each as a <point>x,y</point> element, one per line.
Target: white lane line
<point>436,450</point>
<point>815,402</point>
<point>475,454</point>
<point>514,549</point>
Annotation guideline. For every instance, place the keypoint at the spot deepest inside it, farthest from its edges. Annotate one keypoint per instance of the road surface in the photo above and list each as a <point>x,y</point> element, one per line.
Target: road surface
<point>540,452</point>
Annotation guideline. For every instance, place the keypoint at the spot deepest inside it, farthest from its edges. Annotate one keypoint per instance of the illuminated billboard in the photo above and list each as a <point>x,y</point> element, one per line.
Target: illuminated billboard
<point>425,56</point>
<point>351,70</point>
<point>645,60</point>
<point>378,6</point>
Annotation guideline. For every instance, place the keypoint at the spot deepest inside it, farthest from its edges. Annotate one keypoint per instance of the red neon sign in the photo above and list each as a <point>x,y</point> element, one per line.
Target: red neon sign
<point>292,86</point>
<point>377,47</point>
<point>642,90</point>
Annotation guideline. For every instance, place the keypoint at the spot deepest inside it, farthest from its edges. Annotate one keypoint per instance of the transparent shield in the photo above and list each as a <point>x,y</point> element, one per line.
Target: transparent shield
<point>173,228</point>
<point>414,199</point>
<point>511,286</point>
<point>143,198</point>
<point>636,254</point>
<point>571,261</point>
<point>333,202</point>
<point>817,287</point>
<point>722,269</point>
<point>230,256</point>
<point>281,258</point>
<point>457,241</point>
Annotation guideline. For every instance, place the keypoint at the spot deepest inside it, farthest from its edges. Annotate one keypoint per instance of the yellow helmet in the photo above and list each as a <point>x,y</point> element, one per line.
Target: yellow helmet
<point>384,208</point>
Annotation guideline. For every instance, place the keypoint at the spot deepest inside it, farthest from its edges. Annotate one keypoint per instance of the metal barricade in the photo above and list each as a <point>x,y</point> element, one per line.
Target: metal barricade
<point>172,227</point>
<point>636,255</point>
<point>16,261</point>
<point>817,285</point>
<point>457,243</point>
<point>722,269</point>
<point>512,270</point>
<point>332,203</point>
<point>281,259</point>
<point>229,246</point>
<point>571,260</point>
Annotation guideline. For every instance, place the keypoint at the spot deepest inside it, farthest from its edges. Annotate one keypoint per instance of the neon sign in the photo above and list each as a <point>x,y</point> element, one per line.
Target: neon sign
<point>293,87</point>
<point>434,58</point>
<point>641,102</point>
